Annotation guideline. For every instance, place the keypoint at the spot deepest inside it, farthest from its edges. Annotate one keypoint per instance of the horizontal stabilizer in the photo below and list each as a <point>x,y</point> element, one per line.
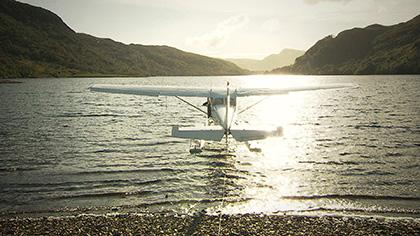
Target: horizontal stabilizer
<point>249,134</point>
<point>213,133</point>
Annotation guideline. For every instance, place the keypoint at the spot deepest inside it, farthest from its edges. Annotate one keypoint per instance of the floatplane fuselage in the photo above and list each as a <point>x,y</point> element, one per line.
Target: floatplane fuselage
<point>222,109</point>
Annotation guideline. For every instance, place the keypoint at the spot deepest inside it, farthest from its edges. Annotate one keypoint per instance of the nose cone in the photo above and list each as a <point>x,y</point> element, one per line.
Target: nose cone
<point>225,120</point>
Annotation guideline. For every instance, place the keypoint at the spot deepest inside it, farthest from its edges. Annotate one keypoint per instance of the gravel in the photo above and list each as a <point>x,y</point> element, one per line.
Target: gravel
<point>249,224</point>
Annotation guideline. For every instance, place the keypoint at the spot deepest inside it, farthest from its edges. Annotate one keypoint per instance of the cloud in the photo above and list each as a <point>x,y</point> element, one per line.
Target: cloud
<point>218,37</point>
<point>314,2</point>
<point>271,25</point>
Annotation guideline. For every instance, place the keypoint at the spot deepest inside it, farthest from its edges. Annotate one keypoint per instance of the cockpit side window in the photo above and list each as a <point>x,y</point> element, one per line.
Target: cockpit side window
<point>218,101</point>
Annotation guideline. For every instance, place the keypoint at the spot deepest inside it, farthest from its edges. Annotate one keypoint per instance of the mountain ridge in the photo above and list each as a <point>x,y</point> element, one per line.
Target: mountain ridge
<point>375,49</point>
<point>37,43</point>
<point>285,57</point>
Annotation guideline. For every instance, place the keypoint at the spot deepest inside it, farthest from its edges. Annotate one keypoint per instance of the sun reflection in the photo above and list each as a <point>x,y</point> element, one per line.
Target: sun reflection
<point>273,178</point>
<point>281,171</point>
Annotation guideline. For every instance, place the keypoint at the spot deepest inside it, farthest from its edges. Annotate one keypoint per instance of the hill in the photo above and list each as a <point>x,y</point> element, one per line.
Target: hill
<point>284,58</point>
<point>375,49</point>
<point>37,43</point>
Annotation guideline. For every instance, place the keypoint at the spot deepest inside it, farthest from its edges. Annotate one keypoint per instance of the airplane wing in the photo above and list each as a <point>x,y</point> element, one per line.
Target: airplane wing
<point>155,90</point>
<point>243,92</point>
<point>206,92</point>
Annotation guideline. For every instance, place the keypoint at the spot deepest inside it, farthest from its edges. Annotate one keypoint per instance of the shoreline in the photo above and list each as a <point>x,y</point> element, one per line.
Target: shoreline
<point>202,224</point>
<point>7,81</point>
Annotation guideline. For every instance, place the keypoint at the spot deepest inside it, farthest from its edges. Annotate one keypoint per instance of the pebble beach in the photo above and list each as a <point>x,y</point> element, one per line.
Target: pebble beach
<point>201,224</point>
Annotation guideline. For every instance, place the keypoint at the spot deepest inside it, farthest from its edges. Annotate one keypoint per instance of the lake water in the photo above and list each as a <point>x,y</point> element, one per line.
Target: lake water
<point>352,151</point>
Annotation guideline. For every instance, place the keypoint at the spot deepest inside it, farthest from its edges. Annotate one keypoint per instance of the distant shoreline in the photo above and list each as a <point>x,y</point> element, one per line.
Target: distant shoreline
<point>6,81</point>
<point>10,80</point>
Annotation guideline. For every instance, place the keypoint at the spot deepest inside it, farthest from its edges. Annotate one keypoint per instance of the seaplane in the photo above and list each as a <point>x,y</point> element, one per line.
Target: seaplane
<point>221,109</point>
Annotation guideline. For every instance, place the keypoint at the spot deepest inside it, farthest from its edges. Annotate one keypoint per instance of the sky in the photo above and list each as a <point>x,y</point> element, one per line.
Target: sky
<point>226,28</point>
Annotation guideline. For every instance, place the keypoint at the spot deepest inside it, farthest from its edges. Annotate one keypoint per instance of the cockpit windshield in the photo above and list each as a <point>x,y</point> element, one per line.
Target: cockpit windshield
<point>222,101</point>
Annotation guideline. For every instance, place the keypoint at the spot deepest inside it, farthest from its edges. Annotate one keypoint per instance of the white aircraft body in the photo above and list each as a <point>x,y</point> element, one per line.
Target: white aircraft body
<point>221,108</point>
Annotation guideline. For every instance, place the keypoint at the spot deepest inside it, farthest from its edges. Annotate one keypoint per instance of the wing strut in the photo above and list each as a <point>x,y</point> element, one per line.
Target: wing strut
<point>260,101</point>
<point>185,101</point>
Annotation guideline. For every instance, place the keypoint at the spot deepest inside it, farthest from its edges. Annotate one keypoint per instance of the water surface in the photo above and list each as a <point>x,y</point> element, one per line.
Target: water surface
<point>353,151</point>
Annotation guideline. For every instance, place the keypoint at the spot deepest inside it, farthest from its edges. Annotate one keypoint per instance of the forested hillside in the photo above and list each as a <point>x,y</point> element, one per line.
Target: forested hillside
<point>375,49</point>
<point>37,43</point>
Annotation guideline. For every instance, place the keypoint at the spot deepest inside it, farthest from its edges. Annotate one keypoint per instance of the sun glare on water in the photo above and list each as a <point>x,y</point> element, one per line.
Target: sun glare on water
<point>276,176</point>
